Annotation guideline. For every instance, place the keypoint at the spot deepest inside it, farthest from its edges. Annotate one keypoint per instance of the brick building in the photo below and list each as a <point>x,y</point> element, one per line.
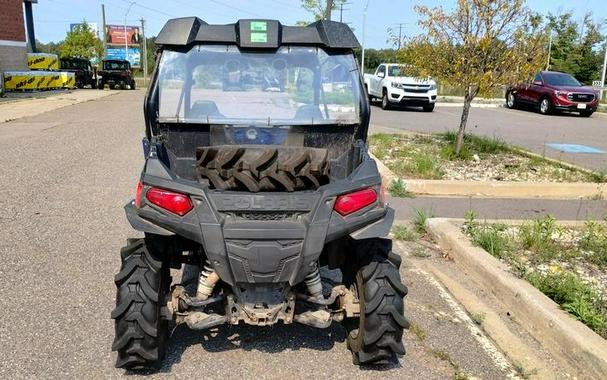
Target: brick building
<point>13,36</point>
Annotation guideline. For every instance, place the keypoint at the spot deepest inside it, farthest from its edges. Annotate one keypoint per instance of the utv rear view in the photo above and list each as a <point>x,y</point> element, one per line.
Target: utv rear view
<point>257,175</point>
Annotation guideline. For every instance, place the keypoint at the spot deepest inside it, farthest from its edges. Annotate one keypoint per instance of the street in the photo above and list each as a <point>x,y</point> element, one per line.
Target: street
<point>66,176</point>
<point>519,127</point>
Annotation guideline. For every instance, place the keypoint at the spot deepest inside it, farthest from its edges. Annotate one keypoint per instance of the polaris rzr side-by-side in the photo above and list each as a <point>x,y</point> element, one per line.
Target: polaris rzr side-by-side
<point>257,175</point>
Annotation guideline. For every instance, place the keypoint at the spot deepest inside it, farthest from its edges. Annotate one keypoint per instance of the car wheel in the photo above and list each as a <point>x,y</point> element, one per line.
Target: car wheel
<point>132,85</point>
<point>545,107</point>
<point>511,100</point>
<point>385,103</point>
<point>586,113</point>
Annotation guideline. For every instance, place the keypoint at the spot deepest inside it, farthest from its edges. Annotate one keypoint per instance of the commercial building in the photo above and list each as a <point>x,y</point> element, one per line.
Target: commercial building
<point>14,41</point>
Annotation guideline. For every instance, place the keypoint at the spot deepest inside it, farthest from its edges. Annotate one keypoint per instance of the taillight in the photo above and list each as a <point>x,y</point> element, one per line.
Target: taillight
<point>138,194</point>
<point>348,203</point>
<point>174,202</point>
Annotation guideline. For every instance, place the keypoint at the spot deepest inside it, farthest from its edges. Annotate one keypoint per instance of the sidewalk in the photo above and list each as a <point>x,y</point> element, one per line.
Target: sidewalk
<point>17,108</point>
<point>488,208</point>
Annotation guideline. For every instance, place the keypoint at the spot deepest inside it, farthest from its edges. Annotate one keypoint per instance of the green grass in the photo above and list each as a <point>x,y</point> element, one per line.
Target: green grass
<point>421,252</point>
<point>593,240</point>
<point>540,238</point>
<point>574,296</point>
<point>491,240</point>
<point>420,219</point>
<point>398,188</point>
<point>401,232</point>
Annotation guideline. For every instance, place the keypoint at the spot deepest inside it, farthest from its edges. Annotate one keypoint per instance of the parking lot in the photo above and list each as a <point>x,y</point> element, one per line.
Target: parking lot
<point>520,127</point>
<point>68,173</point>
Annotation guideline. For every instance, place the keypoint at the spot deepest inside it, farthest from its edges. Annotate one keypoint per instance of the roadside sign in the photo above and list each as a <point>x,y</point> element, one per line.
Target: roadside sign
<point>134,54</point>
<point>597,83</point>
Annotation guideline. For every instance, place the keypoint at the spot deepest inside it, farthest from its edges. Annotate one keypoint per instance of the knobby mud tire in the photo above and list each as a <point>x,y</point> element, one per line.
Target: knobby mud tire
<point>261,168</point>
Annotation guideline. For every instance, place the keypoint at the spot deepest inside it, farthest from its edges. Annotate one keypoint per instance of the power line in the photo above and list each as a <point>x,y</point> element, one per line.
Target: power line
<point>400,32</point>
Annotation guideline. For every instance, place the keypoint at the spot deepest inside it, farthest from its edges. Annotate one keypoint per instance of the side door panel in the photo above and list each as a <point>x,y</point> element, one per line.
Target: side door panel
<point>536,89</point>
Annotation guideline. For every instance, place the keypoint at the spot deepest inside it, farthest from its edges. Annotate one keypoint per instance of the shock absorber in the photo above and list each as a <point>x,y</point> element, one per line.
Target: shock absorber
<point>206,281</point>
<point>313,282</point>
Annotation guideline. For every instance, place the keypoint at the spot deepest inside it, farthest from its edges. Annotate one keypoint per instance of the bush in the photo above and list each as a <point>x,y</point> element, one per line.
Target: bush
<point>398,188</point>
<point>574,296</point>
<point>401,232</point>
<point>594,240</point>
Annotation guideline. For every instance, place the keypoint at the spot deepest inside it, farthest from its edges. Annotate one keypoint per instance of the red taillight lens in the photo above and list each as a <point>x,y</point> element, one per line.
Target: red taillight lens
<point>349,203</point>
<point>174,202</point>
<point>138,195</point>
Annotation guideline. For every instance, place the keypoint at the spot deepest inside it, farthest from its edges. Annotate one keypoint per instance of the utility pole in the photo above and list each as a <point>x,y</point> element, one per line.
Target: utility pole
<point>126,40</point>
<point>604,69</point>
<point>104,36</point>
<point>341,10</point>
<point>400,33</point>
<point>145,53</point>
<point>362,58</point>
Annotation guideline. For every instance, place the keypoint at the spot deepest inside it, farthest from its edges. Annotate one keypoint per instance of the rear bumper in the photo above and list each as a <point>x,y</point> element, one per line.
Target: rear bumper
<point>263,237</point>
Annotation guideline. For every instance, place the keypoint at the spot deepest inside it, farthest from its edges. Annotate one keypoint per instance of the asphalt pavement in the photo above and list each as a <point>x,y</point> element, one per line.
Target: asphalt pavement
<point>520,127</point>
<point>65,177</point>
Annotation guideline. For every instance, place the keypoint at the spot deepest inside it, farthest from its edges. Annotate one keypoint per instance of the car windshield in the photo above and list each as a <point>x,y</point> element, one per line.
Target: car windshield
<point>115,65</point>
<point>288,86</point>
<point>395,71</point>
<point>74,64</point>
<point>560,79</point>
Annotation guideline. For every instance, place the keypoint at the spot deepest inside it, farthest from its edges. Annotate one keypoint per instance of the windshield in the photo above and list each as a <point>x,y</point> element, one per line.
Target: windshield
<point>395,71</point>
<point>115,65</point>
<point>560,79</point>
<point>288,86</point>
<point>74,64</point>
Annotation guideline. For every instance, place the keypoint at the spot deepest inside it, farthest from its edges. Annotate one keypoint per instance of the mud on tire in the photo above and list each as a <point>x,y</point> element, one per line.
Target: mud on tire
<point>261,168</point>
<point>141,330</point>
<point>376,338</point>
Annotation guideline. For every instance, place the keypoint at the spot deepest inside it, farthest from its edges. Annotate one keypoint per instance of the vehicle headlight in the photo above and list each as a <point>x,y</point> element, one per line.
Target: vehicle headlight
<point>561,94</point>
<point>432,87</point>
<point>397,85</point>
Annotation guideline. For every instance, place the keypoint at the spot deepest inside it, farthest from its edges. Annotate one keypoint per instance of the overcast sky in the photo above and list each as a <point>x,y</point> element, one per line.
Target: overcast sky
<point>52,17</point>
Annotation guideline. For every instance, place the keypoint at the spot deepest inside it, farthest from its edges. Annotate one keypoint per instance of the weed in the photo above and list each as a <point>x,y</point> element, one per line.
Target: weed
<point>574,296</point>
<point>478,318</point>
<point>401,232</point>
<point>426,166</point>
<point>599,176</point>
<point>460,375</point>
<point>539,237</point>
<point>441,354</point>
<point>398,188</point>
<point>594,240</point>
<point>420,219</point>
<point>490,239</point>
<point>421,252</point>
<point>522,372</point>
<point>418,331</point>
<point>380,144</point>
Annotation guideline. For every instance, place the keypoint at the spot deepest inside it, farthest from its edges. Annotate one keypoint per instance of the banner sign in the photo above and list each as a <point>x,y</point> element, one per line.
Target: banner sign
<point>116,52</point>
<point>114,35</point>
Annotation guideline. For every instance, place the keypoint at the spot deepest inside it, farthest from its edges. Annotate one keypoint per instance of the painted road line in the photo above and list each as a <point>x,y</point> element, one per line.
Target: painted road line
<point>490,348</point>
<point>574,148</point>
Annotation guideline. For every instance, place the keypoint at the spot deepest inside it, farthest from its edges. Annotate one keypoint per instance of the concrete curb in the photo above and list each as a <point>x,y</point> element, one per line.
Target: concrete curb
<point>501,189</point>
<point>570,341</point>
<point>506,189</point>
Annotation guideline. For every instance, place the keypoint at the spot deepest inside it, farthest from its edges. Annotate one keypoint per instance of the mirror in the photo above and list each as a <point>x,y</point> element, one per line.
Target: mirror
<point>381,74</point>
<point>537,83</point>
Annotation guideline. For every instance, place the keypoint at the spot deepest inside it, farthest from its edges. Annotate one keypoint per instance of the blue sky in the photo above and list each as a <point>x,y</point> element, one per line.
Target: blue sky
<point>52,17</point>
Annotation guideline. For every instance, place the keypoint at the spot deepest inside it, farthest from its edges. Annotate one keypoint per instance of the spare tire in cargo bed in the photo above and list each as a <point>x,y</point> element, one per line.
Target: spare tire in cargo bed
<point>262,168</point>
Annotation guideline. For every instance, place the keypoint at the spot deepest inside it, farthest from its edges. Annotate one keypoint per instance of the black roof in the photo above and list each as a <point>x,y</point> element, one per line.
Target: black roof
<point>256,34</point>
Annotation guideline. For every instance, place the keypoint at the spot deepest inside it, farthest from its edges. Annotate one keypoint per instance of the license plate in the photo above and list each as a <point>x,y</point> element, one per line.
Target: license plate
<point>581,106</point>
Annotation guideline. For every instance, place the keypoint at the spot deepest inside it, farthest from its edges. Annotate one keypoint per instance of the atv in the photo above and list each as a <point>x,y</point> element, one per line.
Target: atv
<point>257,176</point>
